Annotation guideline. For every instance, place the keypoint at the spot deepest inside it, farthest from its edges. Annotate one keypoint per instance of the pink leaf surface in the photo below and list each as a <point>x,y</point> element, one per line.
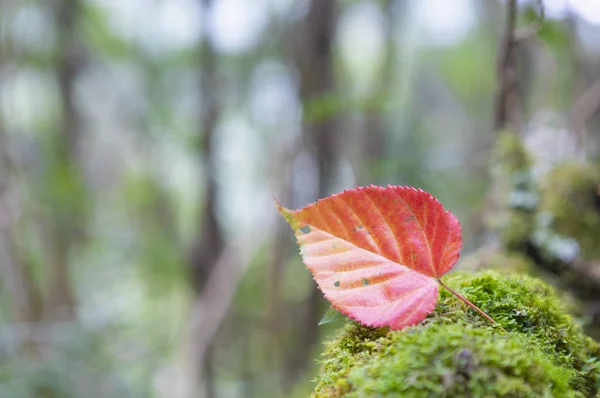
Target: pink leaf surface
<point>378,253</point>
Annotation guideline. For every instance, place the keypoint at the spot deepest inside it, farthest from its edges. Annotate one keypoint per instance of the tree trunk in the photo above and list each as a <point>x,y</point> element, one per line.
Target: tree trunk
<point>209,245</point>
<point>314,61</point>
<point>14,270</point>
<point>64,226</point>
<point>508,113</point>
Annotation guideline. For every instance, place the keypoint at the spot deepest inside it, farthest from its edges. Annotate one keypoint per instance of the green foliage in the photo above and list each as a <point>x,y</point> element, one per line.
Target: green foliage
<point>550,31</point>
<point>99,35</point>
<point>454,352</point>
<point>462,69</point>
<point>161,264</point>
<point>66,197</point>
<point>324,107</point>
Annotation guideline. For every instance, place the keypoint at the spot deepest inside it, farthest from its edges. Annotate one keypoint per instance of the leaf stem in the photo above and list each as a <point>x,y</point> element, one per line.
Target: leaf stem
<point>470,304</point>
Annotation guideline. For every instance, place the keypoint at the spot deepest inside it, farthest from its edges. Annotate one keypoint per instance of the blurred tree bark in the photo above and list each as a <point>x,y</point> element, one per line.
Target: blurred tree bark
<point>58,213</point>
<point>15,271</point>
<point>65,223</point>
<point>314,61</point>
<point>373,135</point>
<point>209,245</point>
<point>508,113</point>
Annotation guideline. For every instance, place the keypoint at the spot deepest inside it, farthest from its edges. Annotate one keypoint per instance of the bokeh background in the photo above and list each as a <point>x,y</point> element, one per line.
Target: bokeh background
<point>142,142</point>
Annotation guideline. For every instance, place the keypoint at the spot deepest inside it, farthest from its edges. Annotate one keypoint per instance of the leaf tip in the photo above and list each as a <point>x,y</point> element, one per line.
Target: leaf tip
<point>277,203</point>
<point>286,213</point>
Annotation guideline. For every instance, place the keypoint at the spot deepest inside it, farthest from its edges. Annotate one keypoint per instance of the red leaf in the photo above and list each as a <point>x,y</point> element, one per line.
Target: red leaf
<point>378,253</point>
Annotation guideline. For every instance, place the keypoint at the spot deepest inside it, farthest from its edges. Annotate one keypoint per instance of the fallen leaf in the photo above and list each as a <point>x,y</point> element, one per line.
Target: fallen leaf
<point>378,253</point>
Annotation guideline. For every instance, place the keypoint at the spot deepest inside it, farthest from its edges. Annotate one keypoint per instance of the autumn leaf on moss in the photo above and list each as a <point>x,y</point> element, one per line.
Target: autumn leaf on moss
<point>378,254</point>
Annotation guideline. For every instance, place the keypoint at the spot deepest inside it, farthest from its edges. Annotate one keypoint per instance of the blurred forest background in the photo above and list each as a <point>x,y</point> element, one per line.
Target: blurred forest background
<point>142,141</point>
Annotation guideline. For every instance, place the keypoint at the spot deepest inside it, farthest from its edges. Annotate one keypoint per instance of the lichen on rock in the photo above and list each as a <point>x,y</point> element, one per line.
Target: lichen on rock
<point>454,352</point>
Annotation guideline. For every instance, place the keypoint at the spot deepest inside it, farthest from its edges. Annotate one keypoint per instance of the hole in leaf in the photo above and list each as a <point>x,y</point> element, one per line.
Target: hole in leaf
<point>305,229</point>
<point>360,227</point>
<point>337,284</point>
<point>366,282</point>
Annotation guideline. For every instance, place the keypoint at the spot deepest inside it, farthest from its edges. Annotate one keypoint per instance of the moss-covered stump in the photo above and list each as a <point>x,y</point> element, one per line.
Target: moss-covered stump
<point>456,353</point>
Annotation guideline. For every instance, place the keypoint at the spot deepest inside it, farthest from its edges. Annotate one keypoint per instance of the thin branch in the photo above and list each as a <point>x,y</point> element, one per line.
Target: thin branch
<point>583,109</point>
<point>313,57</point>
<point>210,241</point>
<point>507,102</point>
<point>470,304</point>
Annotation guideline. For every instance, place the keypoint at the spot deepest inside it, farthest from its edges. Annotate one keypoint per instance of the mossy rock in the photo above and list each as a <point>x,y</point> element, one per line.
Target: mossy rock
<point>456,353</point>
<point>570,196</point>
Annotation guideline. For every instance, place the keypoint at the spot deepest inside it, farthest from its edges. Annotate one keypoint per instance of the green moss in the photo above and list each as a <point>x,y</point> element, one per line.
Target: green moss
<point>510,153</point>
<point>454,352</point>
<point>569,195</point>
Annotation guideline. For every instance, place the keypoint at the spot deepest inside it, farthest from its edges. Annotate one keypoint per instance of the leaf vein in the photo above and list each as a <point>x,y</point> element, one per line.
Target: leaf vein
<point>424,234</point>
<point>396,301</point>
<point>385,221</point>
<point>374,246</point>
